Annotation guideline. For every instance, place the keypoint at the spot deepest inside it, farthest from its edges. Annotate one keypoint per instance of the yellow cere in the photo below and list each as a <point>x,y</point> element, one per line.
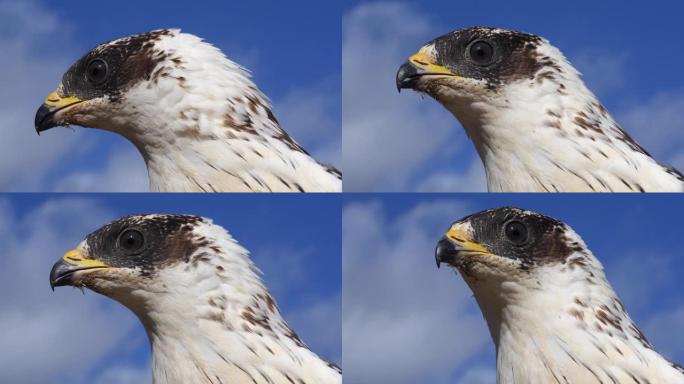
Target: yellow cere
<point>462,238</point>
<point>421,60</point>
<point>75,257</point>
<point>53,100</point>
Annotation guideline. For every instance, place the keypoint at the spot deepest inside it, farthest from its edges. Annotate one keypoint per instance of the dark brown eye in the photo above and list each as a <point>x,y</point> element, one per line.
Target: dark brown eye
<point>481,53</point>
<point>516,232</point>
<point>96,71</point>
<point>131,240</point>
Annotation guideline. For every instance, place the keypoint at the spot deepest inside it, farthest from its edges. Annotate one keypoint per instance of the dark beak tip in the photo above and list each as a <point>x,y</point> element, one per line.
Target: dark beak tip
<point>43,120</point>
<point>60,274</point>
<point>407,76</point>
<point>445,252</point>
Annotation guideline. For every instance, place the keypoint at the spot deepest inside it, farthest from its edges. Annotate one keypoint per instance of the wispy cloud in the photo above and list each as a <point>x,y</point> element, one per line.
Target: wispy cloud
<point>124,374</point>
<point>63,332</point>
<point>404,321</point>
<point>602,73</point>
<point>663,331</point>
<point>389,138</point>
<point>316,316</point>
<point>657,122</point>
<point>124,171</point>
<point>479,375</point>
<point>319,323</point>
<point>32,62</point>
<point>659,315</point>
<point>472,180</point>
<point>311,115</point>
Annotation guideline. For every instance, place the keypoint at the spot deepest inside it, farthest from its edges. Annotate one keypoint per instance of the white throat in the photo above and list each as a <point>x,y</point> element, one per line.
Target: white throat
<point>566,326</point>
<point>211,320</point>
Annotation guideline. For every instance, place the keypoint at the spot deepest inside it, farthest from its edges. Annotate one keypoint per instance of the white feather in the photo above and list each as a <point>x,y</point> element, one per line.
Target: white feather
<point>546,326</point>
<point>195,316</point>
<point>201,124</point>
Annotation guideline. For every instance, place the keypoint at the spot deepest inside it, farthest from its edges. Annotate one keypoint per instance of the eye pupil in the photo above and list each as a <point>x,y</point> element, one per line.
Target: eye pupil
<point>481,52</point>
<point>96,72</point>
<point>516,232</point>
<point>131,240</point>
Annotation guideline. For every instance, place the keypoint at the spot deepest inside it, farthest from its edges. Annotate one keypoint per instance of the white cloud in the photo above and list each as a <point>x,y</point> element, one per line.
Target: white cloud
<point>628,281</point>
<point>657,123</point>
<point>388,137</point>
<point>317,319</point>
<point>309,115</point>
<point>57,334</point>
<point>123,172</point>
<point>479,375</point>
<point>601,73</point>
<point>678,161</point>
<point>319,324</point>
<point>643,297</point>
<point>654,120</point>
<point>403,321</point>
<point>32,63</point>
<point>473,180</point>
<point>664,331</point>
<point>125,375</point>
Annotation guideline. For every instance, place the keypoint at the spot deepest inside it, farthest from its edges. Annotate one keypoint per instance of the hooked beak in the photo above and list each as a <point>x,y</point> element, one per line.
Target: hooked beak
<point>46,115</point>
<point>416,67</point>
<point>457,243</point>
<point>73,263</point>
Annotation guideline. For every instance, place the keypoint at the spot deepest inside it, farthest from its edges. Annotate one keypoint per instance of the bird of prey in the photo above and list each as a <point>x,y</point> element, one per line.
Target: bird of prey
<point>534,123</point>
<point>553,316</point>
<point>207,313</point>
<point>196,117</point>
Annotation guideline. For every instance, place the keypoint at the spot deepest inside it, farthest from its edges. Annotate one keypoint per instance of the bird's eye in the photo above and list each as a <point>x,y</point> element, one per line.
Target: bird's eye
<point>516,232</point>
<point>131,240</point>
<point>96,71</point>
<point>481,52</point>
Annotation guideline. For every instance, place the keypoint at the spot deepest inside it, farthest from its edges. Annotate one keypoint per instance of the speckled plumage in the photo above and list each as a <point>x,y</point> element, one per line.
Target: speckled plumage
<point>552,314</point>
<point>196,117</point>
<point>207,313</point>
<point>534,123</point>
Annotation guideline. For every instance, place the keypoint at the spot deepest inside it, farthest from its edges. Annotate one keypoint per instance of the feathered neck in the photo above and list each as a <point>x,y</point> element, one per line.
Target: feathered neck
<point>550,133</point>
<point>201,124</point>
<point>212,320</point>
<point>566,323</point>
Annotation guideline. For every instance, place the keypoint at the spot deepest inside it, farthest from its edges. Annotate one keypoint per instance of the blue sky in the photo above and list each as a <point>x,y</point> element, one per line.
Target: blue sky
<point>628,53</point>
<point>406,321</point>
<point>293,51</point>
<point>295,241</point>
